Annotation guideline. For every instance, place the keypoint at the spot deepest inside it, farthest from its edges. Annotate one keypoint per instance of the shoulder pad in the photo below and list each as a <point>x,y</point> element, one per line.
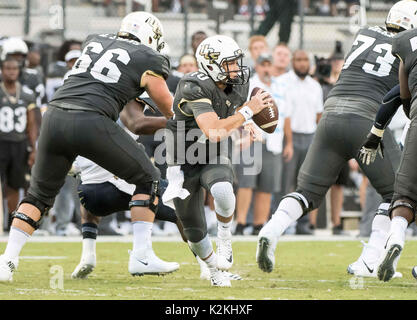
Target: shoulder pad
<point>157,62</point>
<point>193,91</point>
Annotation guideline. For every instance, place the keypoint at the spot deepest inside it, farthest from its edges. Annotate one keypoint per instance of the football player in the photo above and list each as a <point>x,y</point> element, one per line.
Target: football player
<point>369,72</point>
<point>112,70</point>
<point>404,203</point>
<point>204,105</point>
<point>17,49</point>
<point>18,131</point>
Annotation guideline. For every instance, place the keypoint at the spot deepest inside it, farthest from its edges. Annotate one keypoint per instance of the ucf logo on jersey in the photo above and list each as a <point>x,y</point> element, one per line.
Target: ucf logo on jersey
<point>208,53</point>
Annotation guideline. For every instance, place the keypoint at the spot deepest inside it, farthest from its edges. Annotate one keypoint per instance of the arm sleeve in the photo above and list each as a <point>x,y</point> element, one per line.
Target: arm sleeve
<point>388,108</point>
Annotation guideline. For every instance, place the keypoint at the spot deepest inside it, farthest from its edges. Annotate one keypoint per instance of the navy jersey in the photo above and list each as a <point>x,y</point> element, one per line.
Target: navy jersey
<point>370,69</point>
<point>405,47</point>
<point>13,113</point>
<point>109,74</point>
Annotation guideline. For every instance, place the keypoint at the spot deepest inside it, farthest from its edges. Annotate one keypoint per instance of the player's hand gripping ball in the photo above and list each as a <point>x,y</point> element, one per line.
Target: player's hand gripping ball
<point>267,119</point>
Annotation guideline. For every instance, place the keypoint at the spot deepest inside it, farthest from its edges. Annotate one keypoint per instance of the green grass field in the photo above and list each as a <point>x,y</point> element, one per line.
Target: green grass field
<point>304,270</point>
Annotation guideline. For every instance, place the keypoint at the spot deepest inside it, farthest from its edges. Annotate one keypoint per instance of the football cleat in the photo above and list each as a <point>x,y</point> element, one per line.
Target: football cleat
<point>265,253</point>
<point>218,278</point>
<point>414,272</point>
<point>224,254</point>
<point>387,267</point>
<point>367,263</point>
<point>85,267</point>
<point>7,268</point>
<point>362,269</point>
<point>148,263</point>
<point>205,273</point>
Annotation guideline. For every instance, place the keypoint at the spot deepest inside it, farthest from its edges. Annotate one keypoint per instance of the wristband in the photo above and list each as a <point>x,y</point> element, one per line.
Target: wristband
<point>377,132</point>
<point>246,112</point>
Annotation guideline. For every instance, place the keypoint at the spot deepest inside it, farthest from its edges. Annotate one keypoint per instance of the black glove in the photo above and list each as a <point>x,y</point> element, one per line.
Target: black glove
<point>372,145</point>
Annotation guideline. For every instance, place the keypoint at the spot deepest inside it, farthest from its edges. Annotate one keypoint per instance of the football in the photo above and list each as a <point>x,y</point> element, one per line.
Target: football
<point>267,119</point>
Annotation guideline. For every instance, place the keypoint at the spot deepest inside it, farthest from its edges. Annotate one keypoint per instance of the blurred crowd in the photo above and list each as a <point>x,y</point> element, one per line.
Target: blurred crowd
<point>299,83</point>
<point>241,7</point>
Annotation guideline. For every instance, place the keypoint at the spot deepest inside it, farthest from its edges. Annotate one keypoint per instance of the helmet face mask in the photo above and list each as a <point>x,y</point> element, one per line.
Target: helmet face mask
<point>214,56</point>
<point>241,74</point>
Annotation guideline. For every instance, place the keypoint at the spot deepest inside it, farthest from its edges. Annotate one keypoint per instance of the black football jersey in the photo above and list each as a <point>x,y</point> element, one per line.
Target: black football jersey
<point>108,74</point>
<point>370,69</point>
<point>404,46</point>
<point>197,94</point>
<point>13,114</point>
<point>33,80</point>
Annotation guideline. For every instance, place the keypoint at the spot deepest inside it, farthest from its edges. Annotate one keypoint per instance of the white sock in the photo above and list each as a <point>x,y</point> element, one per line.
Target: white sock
<point>212,261</point>
<point>380,231</point>
<point>398,227</point>
<point>289,210</point>
<point>89,248</point>
<point>223,229</point>
<point>142,232</point>
<point>17,239</point>
<point>203,248</point>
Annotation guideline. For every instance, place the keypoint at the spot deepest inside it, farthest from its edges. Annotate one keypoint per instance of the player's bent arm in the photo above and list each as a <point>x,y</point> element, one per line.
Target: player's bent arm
<point>389,106</point>
<point>405,93</point>
<point>217,129</point>
<point>135,120</point>
<point>158,91</point>
<point>32,127</point>
<point>32,133</point>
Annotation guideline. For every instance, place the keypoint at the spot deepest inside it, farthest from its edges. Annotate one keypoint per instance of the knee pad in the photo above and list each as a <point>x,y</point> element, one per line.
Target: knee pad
<point>195,235</point>
<point>44,209</point>
<point>382,221</point>
<point>402,201</point>
<point>150,202</point>
<point>302,200</point>
<point>224,198</point>
<point>383,209</point>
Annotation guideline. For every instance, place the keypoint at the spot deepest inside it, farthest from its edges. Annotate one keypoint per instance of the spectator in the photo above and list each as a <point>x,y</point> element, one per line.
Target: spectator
<point>196,38</point>
<point>257,45</point>
<point>268,180</point>
<point>18,133</point>
<point>333,6</point>
<point>281,11</point>
<point>52,84</point>
<point>58,69</point>
<point>282,60</point>
<point>187,64</point>
<point>304,98</point>
<point>259,9</point>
